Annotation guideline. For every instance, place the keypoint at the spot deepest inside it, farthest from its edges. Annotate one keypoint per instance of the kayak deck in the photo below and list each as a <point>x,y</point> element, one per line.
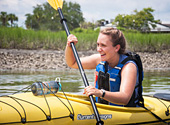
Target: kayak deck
<point>75,109</point>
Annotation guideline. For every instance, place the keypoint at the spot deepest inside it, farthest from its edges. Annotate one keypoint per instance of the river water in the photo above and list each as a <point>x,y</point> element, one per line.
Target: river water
<point>71,81</point>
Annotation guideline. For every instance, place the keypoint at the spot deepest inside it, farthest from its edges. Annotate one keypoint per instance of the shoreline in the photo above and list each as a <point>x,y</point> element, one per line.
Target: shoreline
<point>14,59</point>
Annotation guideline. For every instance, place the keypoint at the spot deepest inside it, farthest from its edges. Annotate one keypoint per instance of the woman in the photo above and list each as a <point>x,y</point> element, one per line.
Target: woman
<point>111,46</point>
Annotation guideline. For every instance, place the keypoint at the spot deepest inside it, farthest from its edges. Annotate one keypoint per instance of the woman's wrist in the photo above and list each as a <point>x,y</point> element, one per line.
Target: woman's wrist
<point>103,93</point>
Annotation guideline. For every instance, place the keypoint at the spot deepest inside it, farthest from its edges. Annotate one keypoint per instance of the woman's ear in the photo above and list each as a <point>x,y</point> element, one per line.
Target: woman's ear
<point>117,47</point>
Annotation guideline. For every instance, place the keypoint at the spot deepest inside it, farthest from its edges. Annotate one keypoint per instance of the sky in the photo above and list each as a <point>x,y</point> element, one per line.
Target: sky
<point>93,10</point>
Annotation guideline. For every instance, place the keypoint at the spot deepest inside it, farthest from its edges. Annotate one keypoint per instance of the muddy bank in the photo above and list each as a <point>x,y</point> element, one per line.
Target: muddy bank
<point>47,59</point>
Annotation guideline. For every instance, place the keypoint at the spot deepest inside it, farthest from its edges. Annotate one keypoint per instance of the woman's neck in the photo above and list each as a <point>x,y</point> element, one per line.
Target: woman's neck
<point>114,62</point>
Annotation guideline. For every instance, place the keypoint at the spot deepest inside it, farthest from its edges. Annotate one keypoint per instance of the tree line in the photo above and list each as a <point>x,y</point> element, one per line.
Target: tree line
<point>44,17</point>
<point>139,20</point>
<point>8,19</point>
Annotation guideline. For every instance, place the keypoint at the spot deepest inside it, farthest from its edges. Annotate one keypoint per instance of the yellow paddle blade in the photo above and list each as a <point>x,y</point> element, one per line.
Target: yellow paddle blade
<point>56,3</point>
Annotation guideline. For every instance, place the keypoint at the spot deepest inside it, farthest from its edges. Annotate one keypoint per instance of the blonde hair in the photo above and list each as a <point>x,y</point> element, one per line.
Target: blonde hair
<point>117,37</point>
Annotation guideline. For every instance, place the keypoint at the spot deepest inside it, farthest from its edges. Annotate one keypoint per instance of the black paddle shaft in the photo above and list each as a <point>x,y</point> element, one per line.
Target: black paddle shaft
<point>83,75</point>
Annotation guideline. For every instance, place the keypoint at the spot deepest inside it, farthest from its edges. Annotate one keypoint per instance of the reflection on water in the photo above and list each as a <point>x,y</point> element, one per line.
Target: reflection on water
<point>12,81</point>
<point>156,82</point>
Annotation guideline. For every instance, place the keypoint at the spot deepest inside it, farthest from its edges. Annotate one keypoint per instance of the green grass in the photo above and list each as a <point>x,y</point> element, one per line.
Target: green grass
<point>148,42</point>
<point>18,38</point>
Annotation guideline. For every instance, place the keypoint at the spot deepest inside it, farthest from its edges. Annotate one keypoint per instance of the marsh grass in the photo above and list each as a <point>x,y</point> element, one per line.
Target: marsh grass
<point>18,38</point>
<point>148,42</point>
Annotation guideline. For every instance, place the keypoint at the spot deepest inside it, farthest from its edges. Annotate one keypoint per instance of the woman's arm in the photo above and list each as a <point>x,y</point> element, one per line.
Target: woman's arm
<point>89,62</point>
<point>128,82</point>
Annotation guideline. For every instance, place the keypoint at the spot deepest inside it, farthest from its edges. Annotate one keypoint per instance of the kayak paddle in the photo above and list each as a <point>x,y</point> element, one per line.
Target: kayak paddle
<point>57,5</point>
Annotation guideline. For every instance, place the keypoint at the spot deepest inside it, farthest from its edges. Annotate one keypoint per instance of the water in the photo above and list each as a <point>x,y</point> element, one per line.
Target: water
<point>12,81</point>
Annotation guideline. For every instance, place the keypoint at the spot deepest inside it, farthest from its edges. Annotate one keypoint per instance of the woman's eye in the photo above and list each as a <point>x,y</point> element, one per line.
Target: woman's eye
<point>103,45</point>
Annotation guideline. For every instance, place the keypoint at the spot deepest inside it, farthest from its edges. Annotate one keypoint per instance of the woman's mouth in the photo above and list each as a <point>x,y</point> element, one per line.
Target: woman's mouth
<point>103,55</point>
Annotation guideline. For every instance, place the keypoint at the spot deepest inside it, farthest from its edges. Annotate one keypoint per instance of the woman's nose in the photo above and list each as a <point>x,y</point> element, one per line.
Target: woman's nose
<point>99,49</point>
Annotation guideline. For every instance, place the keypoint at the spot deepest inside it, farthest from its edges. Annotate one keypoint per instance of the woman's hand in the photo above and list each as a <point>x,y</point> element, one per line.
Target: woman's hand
<point>71,39</point>
<point>90,90</point>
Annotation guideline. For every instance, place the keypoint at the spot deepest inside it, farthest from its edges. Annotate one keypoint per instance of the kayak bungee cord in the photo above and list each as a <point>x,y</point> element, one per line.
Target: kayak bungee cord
<point>23,119</point>
<point>166,112</point>
<point>29,103</point>
<point>48,117</point>
<point>28,87</point>
<point>156,116</point>
<point>15,109</point>
<point>71,114</point>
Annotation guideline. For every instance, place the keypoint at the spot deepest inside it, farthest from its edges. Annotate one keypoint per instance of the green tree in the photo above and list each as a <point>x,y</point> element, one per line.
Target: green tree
<point>73,14</point>
<point>46,18</point>
<point>28,21</point>
<point>31,22</point>
<point>140,20</point>
<point>120,20</point>
<point>12,18</point>
<point>4,18</point>
<point>143,18</point>
<point>51,19</point>
<point>100,22</point>
<point>87,25</point>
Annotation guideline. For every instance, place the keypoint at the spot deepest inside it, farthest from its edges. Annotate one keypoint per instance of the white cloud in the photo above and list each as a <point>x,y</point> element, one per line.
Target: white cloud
<point>19,7</point>
<point>93,9</point>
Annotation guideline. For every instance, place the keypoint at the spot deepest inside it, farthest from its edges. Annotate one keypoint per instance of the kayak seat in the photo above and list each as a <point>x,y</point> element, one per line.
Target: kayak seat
<point>164,96</point>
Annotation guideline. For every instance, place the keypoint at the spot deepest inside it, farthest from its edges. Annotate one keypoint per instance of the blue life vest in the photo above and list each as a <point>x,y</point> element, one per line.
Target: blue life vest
<point>114,75</point>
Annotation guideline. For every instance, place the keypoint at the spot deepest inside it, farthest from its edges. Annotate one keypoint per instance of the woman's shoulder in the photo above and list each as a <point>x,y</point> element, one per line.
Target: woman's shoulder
<point>122,57</point>
<point>128,62</point>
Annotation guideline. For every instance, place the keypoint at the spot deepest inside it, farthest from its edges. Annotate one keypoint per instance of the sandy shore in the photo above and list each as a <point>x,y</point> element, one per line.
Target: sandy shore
<point>14,59</point>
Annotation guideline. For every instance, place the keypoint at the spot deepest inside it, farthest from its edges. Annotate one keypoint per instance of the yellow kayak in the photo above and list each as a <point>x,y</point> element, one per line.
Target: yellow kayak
<point>75,110</point>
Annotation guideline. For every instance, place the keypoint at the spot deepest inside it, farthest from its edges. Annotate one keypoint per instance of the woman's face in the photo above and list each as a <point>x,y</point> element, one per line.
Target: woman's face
<point>105,48</point>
